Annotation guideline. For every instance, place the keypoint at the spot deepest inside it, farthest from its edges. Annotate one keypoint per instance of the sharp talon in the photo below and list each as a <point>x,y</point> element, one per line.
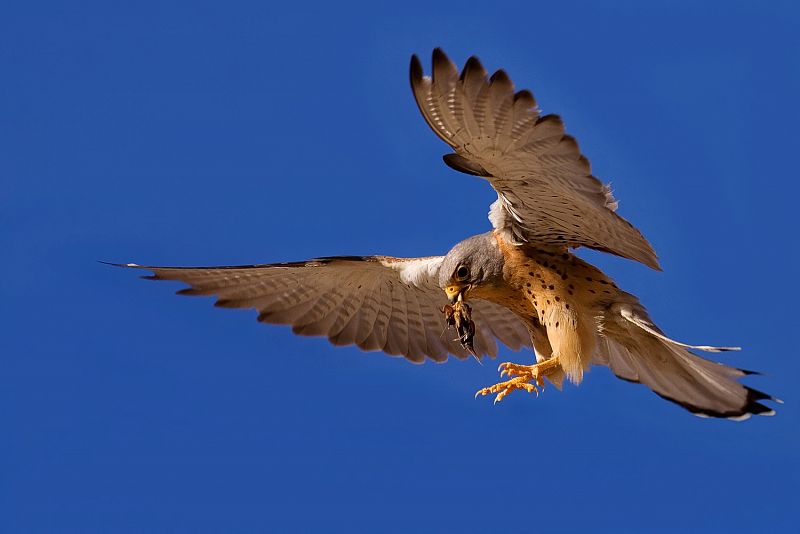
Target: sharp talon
<point>500,367</point>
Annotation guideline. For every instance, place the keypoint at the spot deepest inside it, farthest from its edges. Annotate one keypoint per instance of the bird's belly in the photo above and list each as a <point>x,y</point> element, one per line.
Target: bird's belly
<point>564,295</point>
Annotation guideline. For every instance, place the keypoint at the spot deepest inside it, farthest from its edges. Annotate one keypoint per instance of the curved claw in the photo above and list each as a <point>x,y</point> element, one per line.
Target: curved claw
<point>506,368</point>
<point>501,394</point>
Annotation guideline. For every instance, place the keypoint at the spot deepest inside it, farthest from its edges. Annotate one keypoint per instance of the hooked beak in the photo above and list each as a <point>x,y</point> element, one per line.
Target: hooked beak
<point>455,293</point>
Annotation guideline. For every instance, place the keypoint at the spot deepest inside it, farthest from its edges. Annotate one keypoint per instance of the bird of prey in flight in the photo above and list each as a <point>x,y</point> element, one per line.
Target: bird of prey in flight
<point>519,284</point>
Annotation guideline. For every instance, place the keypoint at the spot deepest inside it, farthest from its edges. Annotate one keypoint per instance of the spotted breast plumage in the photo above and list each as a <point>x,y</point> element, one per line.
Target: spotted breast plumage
<point>524,285</point>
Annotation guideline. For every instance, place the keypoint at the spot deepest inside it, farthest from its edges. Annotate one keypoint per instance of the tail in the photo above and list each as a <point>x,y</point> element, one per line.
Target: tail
<point>637,351</point>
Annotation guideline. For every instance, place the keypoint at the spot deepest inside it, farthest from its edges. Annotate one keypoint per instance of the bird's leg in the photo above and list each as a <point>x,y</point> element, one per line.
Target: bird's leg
<point>527,377</point>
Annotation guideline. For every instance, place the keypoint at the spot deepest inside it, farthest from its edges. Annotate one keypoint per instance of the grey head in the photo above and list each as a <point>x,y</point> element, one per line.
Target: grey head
<point>474,262</point>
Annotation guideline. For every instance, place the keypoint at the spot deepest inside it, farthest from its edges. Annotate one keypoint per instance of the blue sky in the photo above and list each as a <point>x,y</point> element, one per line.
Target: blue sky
<point>225,133</point>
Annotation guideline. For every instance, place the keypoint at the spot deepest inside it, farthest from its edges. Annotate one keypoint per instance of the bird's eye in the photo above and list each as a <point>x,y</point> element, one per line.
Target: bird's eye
<point>462,272</point>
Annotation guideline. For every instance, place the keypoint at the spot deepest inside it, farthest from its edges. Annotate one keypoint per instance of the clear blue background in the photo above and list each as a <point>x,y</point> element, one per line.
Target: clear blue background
<point>229,132</point>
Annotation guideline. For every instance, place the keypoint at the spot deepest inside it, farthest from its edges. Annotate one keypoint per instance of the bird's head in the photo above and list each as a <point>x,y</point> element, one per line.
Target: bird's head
<point>470,266</point>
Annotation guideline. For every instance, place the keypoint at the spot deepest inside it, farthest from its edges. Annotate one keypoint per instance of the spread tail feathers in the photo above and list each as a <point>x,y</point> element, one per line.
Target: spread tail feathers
<point>637,351</point>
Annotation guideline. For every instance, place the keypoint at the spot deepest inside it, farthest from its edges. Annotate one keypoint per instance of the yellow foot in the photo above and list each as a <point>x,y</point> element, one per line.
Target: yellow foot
<point>515,369</point>
<point>504,388</point>
<point>527,377</point>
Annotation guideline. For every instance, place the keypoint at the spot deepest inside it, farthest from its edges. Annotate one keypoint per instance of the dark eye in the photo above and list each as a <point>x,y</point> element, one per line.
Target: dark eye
<point>462,272</point>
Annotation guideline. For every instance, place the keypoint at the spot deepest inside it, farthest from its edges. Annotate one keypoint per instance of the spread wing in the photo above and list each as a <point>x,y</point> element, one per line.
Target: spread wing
<point>375,302</point>
<point>545,190</point>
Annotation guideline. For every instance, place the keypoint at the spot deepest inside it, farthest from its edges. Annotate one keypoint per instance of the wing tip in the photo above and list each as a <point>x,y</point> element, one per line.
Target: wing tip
<point>653,263</point>
<point>471,67</point>
<point>439,58</point>
<point>415,71</point>
<point>551,117</point>
<point>526,97</point>
<point>500,76</point>
<point>751,407</point>
<point>124,265</point>
<point>572,143</point>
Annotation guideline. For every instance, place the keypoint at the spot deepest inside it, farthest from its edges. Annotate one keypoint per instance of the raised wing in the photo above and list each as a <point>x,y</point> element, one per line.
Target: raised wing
<point>546,192</point>
<point>375,302</point>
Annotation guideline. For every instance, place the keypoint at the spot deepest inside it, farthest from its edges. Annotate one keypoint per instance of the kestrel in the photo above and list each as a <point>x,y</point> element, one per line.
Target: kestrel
<point>524,286</point>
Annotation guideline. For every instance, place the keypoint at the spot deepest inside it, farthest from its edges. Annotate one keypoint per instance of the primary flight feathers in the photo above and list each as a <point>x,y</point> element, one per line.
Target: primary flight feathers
<point>374,302</point>
<point>546,192</point>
